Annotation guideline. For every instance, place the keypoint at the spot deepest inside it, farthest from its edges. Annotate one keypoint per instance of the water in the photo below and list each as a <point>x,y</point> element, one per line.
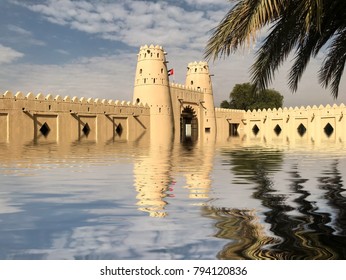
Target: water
<point>174,201</point>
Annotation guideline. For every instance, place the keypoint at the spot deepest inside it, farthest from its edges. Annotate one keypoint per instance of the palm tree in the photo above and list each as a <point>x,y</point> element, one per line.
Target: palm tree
<point>305,27</point>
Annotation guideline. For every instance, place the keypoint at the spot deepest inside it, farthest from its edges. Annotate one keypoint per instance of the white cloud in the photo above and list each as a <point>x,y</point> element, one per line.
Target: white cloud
<point>22,35</point>
<point>98,77</point>
<point>64,52</point>
<point>132,22</point>
<point>18,30</point>
<point>8,55</point>
<point>210,3</point>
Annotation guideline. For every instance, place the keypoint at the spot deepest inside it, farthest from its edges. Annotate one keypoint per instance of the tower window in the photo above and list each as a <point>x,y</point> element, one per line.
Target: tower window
<point>145,80</point>
<point>158,55</point>
<point>140,71</point>
<point>154,80</point>
<point>138,100</point>
<point>161,70</point>
<point>159,110</point>
<point>195,69</point>
<point>191,83</point>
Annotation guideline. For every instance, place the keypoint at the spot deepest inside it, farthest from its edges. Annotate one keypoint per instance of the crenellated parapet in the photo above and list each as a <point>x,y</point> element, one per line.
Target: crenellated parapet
<point>228,111</point>
<point>35,103</point>
<point>185,88</point>
<point>298,112</point>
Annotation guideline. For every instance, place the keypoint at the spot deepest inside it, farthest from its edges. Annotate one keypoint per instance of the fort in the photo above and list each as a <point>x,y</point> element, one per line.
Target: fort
<point>162,111</point>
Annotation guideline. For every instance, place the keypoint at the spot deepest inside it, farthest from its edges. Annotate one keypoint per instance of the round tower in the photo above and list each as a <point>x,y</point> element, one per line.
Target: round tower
<point>198,76</point>
<point>152,88</point>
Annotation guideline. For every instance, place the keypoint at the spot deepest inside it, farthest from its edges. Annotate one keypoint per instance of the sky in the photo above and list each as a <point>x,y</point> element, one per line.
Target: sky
<point>89,48</point>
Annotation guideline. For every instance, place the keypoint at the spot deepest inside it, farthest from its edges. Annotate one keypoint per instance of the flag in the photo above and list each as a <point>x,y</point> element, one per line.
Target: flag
<point>170,72</point>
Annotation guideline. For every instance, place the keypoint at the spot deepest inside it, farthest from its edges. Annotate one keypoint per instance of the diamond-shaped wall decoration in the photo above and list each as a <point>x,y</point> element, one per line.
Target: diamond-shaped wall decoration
<point>119,129</point>
<point>45,129</point>
<point>86,129</point>
<point>255,129</point>
<point>328,129</point>
<point>301,130</point>
<point>277,130</point>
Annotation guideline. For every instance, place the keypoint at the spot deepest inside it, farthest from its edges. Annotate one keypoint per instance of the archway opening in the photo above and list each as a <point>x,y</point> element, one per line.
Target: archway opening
<point>188,125</point>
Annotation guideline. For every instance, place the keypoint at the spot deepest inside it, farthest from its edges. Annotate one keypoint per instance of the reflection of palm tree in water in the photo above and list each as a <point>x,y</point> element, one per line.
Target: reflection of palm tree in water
<point>242,227</point>
<point>307,227</point>
<point>296,237</point>
<point>326,240</point>
<point>331,182</point>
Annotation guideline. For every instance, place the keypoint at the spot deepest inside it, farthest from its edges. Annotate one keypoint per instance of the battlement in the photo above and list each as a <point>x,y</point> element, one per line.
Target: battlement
<point>225,110</point>
<point>157,47</point>
<point>198,67</point>
<point>328,109</point>
<point>299,110</point>
<point>151,52</point>
<point>184,87</point>
<point>58,103</point>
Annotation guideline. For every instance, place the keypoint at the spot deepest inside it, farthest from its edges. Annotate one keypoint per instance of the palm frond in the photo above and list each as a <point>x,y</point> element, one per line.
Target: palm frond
<point>306,26</point>
<point>334,64</point>
<point>282,39</point>
<point>241,25</point>
<point>314,14</point>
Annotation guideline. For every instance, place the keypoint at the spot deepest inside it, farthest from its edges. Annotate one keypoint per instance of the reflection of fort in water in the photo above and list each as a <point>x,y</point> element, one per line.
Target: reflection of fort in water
<point>163,114</point>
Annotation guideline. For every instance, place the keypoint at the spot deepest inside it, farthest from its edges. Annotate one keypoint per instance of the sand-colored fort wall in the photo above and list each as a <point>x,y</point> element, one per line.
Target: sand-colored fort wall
<point>40,118</point>
<point>315,124</point>
<point>323,124</point>
<point>225,119</point>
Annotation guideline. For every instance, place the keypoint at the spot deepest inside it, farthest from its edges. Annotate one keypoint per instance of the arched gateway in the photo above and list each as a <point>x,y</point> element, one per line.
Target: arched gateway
<point>188,125</point>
